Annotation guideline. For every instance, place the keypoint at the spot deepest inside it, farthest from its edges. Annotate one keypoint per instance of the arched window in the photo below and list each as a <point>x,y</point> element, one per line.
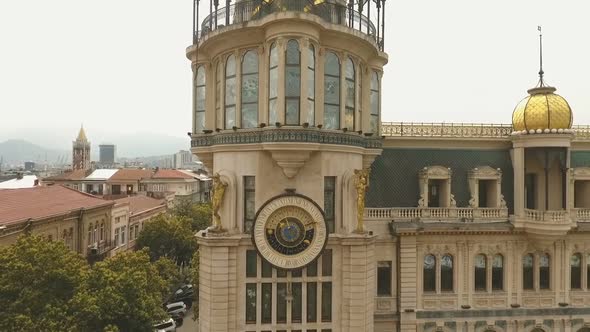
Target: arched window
<point>331,91</point>
<point>429,273</point>
<point>480,273</point>
<point>527,272</point>
<point>94,234</point>
<point>544,271</point>
<point>200,100</point>
<point>230,92</point>
<point>446,273</point>
<point>292,82</point>
<point>576,271</point>
<point>375,103</point>
<point>249,107</point>
<point>89,233</point>
<point>498,272</point>
<point>273,79</point>
<point>349,110</point>
<point>102,231</point>
<point>311,85</point>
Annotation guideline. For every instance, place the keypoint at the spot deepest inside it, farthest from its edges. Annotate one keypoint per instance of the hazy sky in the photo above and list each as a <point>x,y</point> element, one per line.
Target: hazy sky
<point>120,66</point>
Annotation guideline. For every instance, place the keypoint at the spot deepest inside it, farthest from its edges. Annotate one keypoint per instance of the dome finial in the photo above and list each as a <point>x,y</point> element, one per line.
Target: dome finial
<point>541,72</point>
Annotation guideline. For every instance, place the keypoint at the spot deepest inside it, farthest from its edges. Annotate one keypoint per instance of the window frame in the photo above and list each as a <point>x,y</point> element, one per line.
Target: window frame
<point>337,78</point>
<point>348,80</point>
<point>296,99</point>
<point>228,104</point>
<point>200,85</point>
<point>244,74</point>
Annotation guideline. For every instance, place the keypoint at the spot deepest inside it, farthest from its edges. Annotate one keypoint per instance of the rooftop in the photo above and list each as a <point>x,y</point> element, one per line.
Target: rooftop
<point>171,174</point>
<point>28,181</point>
<point>140,203</point>
<point>131,174</point>
<point>102,174</point>
<point>78,174</point>
<point>40,202</point>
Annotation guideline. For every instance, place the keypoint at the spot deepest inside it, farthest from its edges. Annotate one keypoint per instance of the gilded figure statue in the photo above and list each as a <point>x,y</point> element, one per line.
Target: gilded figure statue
<point>361,183</point>
<point>218,192</point>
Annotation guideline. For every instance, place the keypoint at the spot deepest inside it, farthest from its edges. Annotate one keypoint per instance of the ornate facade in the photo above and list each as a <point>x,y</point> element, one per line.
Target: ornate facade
<point>322,224</point>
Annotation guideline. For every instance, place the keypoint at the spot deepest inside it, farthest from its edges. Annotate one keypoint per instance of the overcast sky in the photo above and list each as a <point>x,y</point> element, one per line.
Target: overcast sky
<point>120,66</point>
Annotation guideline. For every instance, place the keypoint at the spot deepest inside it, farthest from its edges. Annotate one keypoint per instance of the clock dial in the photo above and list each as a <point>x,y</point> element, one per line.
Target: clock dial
<point>290,232</point>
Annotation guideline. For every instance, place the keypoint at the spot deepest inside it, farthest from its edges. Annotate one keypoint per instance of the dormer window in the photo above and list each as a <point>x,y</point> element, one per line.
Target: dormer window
<point>435,187</point>
<point>485,184</point>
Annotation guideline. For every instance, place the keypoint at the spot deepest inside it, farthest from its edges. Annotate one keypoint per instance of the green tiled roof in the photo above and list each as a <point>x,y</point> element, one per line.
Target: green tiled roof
<point>394,174</point>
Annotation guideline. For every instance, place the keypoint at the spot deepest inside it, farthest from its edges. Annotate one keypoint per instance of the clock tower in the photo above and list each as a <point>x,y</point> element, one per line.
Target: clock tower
<point>286,116</point>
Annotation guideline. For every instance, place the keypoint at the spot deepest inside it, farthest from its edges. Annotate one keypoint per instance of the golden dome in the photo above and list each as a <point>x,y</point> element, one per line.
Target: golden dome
<point>542,109</point>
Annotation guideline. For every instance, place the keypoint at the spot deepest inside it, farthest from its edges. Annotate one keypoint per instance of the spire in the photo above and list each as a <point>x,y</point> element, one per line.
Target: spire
<point>541,72</point>
<point>81,134</point>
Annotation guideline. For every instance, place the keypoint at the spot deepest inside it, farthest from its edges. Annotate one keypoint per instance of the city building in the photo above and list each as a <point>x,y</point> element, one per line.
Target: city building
<point>70,178</point>
<point>81,152</point>
<point>127,181</point>
<point>128,221</point>
<point>58,213</point>
<point>107,153</point>
<point>184,185</point>
<point>29,166</point>
<point>96,182</point>
<point>326,219</point>
<point>182,158</point>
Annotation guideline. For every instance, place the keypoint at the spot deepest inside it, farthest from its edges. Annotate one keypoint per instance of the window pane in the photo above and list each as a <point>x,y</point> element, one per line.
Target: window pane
<point>273,114</point>
<point>292,111</point>
<point>251,265</point>
<point>250,63</point>
<point>296,273</point>
<point>251,303</point>
<point>249,115</point>
<point>249,202</point>
<point>326,302</point>
<point>498,273</point>
<point>281,302</point>
<point>200,92</point>
<point>480,272</point>
<point>230,117</point>
<point>230,91</point>
<point>199,121</point>
<point>527,272</point>
<point>384,278</point>
<point>201,76</point>
<point>375,124</point>
<point>332,65</point>
<point>331,117</point>
<point>446,273</point>
<point>429,273</point>
<point>266,315</point>
<point>274,55</point>
<point>312,269</point>
<point>544,272</point>
<point>576,271</point>
<point>292,52</point>
<point>311,112</point>
<point>310,85</point>
<point>230,66</point>
<point>281,273</point>
<point>266,269</point>
<point>273,84</point>
<point>327,263</point>
<point>250,88</point>
<point>296,304</point>
<point>349,118</point>
<point>292,82</point>
<point>312,289</point>
<point>332,90</point>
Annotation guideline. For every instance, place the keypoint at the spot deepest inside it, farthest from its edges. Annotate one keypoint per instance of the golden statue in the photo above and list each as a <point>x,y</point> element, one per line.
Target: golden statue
<point>218,192</point>
<point>361,182</point>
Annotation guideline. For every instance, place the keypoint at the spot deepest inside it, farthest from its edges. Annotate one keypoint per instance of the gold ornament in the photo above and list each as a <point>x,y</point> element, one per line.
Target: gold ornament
<point>361,183</point>
<point>218,192</point>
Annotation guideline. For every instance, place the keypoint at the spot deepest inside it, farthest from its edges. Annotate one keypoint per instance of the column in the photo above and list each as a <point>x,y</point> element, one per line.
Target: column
<point>518,163</point>
<point>358,283</point>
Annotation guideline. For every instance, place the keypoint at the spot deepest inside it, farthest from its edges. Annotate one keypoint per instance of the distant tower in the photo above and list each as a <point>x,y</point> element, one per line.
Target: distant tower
<point>81,151</point>
<point>107,153</point>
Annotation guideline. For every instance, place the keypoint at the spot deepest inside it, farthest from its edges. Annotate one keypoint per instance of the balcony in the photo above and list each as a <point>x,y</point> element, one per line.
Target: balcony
<point>444,214</point>
<point>582,215</point>
<point>245,11</point>
<point>99,250</point>
<point>558,217</point>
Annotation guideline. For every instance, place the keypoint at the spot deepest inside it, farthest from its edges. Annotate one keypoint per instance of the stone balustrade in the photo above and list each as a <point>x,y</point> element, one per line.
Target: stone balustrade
<point>582,215</point>
<point>557,216</point>
<point>437,214</point>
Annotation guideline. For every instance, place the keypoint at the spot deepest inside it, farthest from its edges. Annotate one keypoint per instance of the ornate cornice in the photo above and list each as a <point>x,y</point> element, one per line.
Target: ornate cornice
<point>285,135</point>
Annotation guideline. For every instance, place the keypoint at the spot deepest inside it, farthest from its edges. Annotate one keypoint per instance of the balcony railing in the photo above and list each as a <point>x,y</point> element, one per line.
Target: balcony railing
<point>558,216</point>
<point>99,248</point>
<point>438,214</point>
<point>582,215</point>
<point>244,11</point>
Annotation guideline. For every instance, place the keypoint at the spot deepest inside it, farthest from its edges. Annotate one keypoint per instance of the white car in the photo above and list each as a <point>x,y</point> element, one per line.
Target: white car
<point>176,308</point>
<point>166,326</point>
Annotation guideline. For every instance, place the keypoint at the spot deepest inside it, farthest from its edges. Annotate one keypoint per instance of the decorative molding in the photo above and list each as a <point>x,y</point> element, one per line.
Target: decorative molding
<point>435,173</point>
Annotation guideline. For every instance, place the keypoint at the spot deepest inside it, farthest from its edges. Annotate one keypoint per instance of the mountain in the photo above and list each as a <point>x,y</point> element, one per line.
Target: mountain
<point>16,151</point>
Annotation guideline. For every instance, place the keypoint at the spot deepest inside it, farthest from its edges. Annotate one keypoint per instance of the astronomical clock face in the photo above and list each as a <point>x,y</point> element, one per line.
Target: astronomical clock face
<point>290,232</point>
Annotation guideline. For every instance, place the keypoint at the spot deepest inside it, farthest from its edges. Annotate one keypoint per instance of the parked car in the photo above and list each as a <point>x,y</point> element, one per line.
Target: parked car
<point>184,290</point>
<point>184,294</point>
<point>168,325</point>
<point>178,319</point>
<point>176,308</point>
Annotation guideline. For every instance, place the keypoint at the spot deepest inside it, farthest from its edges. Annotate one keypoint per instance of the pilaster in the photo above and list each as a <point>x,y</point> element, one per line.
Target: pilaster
<point>408,282</point>
<point>358,282</point>
<point>217,282</point>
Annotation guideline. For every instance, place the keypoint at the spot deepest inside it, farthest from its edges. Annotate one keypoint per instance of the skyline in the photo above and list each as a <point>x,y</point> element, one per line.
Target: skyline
<point>64,66</point>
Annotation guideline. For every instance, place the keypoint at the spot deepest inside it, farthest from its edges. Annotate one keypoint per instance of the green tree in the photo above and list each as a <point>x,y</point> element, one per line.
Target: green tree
<point>200,214</point>
<point>168,236</point>
<point>195,279</point>
<point>124,293</point>
<point>38,280</point>
<point>169,271</point>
